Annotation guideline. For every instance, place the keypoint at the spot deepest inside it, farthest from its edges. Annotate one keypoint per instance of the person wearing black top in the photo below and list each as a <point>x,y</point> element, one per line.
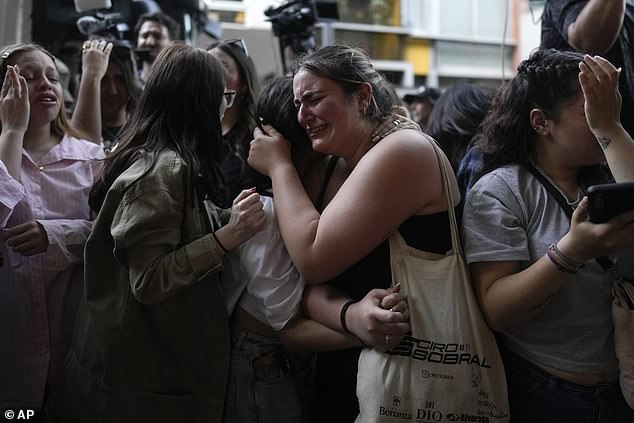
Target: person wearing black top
<point>603,27</point>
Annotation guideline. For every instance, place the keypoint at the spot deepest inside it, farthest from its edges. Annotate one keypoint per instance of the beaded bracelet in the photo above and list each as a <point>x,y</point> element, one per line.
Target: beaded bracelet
<point>342,316</point>
<point>562,262</point>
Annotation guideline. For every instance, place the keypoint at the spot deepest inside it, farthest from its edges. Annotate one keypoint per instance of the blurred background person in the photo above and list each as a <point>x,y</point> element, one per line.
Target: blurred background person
<point>421,103</point>
<point>239,119</point>
<point>457,116</point>
<point>603,27</point>
<point>108,90</point>
<point>154,31</point>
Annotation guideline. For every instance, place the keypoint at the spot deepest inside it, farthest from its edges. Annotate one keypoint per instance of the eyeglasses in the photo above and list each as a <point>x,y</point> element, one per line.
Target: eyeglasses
<point>240,43</point>
<point>229,95</point>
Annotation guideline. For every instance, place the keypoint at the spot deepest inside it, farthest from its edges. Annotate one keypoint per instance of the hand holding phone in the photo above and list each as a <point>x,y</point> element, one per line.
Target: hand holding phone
<point>609,200</point>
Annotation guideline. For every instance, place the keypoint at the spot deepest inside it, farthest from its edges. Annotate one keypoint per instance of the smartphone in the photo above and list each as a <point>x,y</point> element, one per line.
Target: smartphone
<point>609,200</point>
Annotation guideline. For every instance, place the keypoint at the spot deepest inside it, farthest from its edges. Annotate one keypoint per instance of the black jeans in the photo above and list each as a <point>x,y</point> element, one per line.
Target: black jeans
<point>538,396</point>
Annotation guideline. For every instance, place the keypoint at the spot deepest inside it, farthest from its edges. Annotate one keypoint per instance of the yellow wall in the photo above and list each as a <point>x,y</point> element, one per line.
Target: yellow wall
<point>417,53</point>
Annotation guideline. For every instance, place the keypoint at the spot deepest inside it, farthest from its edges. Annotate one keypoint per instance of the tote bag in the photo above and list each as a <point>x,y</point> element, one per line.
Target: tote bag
<point>449,368</point>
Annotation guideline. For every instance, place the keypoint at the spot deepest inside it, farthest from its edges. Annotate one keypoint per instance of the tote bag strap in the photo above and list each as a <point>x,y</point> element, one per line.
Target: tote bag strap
<point>396,240</point>
<point>449,194</point>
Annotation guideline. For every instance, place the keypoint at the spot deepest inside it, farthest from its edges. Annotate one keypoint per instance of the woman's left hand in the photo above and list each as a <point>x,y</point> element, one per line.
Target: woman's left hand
<point>268,150</point>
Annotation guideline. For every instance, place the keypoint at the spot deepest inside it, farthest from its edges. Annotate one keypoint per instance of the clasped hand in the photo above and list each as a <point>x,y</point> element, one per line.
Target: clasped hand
<point>381,318</point>
<point>247,218</point>
<point>27,238</point>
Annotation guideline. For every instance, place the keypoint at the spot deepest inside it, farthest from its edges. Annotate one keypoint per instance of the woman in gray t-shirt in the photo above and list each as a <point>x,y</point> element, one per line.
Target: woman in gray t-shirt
<point>533,268</point>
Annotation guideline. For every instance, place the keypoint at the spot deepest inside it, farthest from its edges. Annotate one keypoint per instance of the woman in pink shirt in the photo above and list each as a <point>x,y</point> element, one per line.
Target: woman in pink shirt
<point>46,173</point>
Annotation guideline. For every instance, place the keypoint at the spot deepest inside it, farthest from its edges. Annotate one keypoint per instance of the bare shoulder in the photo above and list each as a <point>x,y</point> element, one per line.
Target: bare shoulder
<point>408,158</point>
<point>405,148</point>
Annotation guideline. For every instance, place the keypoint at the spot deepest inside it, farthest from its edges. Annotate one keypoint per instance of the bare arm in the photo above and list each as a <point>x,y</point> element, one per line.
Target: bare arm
<point>397,178</point>
<point>381,312</point>
<point>87,113</point>
<point>14,116</point>
<point>597,27</point>
<point>509,297</point>
<point>304,334</point>
<point>599,82</point>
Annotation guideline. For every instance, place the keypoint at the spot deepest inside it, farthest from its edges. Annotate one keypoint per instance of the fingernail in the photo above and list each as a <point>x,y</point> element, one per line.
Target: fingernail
<point>252,189</point>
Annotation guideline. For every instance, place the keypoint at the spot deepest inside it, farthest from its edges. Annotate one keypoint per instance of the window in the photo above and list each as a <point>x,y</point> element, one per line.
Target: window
<point>472,18</point>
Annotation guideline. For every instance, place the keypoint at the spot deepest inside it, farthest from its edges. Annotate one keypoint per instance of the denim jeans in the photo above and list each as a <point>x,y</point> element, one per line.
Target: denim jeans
<point>536,396</point>
<point>261,386</point>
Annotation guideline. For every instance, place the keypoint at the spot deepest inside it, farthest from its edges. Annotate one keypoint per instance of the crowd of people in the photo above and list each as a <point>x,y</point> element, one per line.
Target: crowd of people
<point>194,244</point>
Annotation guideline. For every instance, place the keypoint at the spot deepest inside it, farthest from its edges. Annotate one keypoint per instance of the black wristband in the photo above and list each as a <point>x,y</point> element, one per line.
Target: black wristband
<point>342,316</point>
<point>222,247</point>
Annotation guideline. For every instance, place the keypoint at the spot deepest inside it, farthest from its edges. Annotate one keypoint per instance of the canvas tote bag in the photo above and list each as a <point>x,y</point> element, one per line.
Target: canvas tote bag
<point>449,368</point>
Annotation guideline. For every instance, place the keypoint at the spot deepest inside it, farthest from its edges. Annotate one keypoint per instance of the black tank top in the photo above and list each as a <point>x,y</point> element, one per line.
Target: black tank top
<point>336,371</point>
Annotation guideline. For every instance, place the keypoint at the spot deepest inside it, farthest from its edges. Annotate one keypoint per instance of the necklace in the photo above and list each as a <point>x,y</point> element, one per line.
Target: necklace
<point>38,156</point>
<point>580,192</point>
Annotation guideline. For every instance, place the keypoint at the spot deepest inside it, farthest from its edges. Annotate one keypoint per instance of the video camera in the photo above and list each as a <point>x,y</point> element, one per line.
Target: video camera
<point>293,23</point>
<point>106,25</point>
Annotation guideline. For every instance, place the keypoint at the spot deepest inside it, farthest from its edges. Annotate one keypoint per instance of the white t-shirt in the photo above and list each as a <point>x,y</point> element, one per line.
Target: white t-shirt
<point>260,276</point>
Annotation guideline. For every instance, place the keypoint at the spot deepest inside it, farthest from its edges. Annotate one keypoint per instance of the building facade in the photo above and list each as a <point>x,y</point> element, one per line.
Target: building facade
<point>414,42</point>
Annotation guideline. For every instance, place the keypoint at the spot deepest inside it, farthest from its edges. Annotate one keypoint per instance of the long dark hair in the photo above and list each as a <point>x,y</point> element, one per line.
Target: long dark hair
<point>548,80</point>
<point>179,109</point>
<point>350,67</point>
<point>276,107</point>
<point>457,117</point>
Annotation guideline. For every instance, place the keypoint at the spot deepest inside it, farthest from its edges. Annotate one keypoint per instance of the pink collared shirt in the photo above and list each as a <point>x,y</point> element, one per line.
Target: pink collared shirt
<point>37,299</point>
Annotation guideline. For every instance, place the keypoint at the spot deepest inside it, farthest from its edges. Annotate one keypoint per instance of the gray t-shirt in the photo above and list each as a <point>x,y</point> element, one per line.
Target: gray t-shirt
<point>509,216</point>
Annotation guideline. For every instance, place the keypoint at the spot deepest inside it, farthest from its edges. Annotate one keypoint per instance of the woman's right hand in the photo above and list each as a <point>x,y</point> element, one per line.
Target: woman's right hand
<point>380,319</point>
<point>268,150</point>
<point>247,218</point>
<point>14,101</point>
<point>586,240</point>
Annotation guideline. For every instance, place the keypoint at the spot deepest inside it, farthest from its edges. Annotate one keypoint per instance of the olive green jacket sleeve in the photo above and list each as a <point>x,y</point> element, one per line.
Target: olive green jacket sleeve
<point>162,235</point>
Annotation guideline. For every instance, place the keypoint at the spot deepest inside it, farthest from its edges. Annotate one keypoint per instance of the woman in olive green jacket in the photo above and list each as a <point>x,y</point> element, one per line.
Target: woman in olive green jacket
<point>152,340</point>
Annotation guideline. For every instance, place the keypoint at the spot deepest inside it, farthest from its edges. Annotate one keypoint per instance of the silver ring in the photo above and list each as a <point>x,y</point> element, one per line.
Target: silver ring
<point>387,339</point>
